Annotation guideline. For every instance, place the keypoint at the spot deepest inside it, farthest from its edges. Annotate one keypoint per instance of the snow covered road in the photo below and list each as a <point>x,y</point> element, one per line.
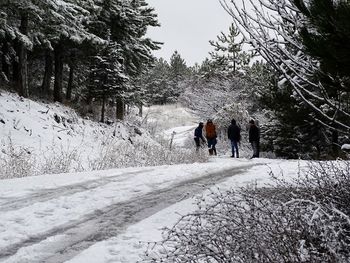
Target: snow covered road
<point>53,218</point>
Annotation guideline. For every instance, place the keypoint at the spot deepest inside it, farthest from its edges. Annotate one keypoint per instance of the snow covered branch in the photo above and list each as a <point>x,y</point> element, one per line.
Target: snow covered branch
<point>302,221</point>
<point>273,29</point>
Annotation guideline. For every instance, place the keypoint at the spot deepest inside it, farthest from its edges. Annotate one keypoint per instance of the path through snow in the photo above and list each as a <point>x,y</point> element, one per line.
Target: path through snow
<point>53,218</point>
<point>110,216</point>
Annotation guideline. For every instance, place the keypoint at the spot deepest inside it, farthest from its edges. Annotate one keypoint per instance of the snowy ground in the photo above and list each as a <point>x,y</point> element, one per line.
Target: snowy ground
<point>173,123</point>
<point>111,215</point>
<point>37,126</point>
<point>131,245</point>
<point>43,133</point>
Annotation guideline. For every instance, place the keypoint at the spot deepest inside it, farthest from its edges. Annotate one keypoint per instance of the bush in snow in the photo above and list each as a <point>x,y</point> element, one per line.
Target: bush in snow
<point>110,153</point>
<point>40,138</point>
<point>121,154</point>
<point>346,149</point>
<point>16,161</point>
<point>302,221</point>
<point>61,160</point>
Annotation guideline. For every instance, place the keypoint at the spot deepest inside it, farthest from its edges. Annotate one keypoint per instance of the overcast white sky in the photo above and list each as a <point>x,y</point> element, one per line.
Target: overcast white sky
<point>187,26</point>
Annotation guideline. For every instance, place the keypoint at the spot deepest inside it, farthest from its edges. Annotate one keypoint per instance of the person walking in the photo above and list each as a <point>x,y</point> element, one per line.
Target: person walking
<point>198,135</point>
<point>210,134</point>
<point>234,135</point>
<point>254,138</point>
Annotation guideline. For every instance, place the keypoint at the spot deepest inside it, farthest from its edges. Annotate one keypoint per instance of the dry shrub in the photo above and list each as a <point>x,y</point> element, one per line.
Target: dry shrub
<point>122,154</point>
<point>16,161</point>
<point>61,160</point>
<point>302,221</point>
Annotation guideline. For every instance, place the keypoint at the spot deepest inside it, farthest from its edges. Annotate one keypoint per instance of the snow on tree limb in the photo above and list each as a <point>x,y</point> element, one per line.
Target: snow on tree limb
<point>273,28</point>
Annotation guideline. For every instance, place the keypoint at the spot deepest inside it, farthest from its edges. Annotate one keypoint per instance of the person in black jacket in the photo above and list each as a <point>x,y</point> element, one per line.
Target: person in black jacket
<point>254,138</point>
<point>198,135</point>
<point>234,135</point>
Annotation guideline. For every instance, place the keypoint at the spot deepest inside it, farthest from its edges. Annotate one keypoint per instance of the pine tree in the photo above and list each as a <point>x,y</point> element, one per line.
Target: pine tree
<point>51,26</point>
<point>305,41</point>
<point>128,22</point>
<point>157,83</point>
<point>178,71</point>
<point>20,13</point>
<point>228,56</point>
<point>71,32</point>
<point>106,78</point>
<point>44,36</point>
<point>7,35</point>
<point>207,69</point>
<point>326,37</point>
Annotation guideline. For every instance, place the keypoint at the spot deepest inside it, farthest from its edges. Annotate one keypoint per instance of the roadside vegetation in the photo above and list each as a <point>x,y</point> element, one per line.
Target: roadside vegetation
<point>306,220</point>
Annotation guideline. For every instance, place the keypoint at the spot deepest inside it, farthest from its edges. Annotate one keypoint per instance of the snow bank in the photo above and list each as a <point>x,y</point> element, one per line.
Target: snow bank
<point>346,147</point>
<point>46,133</point>
<point>131,245</point>
<point>39,138</point>
<point>44,206</point>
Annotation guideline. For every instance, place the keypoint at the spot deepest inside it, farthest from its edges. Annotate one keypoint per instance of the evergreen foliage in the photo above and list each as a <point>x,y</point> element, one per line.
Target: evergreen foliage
<point>178,72</point>
<point>326,37</point>
<point>156,82</point>
<point>228,55</point>
<point>40,40</point>
<point>164,82</point>
<point>305,43</point>
<point>106,78</point>
<point>295,135</point>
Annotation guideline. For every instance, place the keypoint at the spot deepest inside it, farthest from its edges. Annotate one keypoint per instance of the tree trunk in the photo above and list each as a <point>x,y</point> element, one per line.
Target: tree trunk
<point>120,111</point>
<point>128,108</point>
<point>22,82</point>
<point>70,82</point>
<point>140,110</point>
<point>89,97</point>
<point>234,56</point>
<point>335,143</point>
<point>57,89</point>
<point>15,64</point>
<point>103,108</point>
<point>45,87</point>
<point>4,60</point>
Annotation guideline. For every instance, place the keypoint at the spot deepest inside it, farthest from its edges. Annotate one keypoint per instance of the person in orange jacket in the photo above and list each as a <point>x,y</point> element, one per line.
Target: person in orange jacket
<point>210,134</point>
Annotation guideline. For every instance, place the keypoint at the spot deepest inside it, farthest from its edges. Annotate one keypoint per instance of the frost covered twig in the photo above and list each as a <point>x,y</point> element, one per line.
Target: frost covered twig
<point>302,221</point>
<point>273,29</point>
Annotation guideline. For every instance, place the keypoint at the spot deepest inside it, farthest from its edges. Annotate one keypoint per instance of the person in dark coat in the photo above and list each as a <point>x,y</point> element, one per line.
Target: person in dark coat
<point>254,138</point>
<point>234,135</point>
<point>198,135</point>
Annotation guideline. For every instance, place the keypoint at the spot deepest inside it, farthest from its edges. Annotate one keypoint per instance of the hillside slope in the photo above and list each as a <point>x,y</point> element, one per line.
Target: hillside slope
<point>41,138</point>
<point>37,137</point>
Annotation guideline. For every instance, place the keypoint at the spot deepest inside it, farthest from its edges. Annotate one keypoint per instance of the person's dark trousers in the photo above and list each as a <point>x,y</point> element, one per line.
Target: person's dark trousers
<point>234,146</point>
<point>211,146</point>
<point>198,144</point>
<point>255,146</point>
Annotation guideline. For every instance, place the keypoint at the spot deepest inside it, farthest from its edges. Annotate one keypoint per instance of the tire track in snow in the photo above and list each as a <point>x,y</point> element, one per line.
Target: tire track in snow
<point>66,241</point>
<point>66,190</point>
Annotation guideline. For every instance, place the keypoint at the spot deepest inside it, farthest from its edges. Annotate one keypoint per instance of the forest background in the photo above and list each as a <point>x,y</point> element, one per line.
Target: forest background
<point>96,57</point>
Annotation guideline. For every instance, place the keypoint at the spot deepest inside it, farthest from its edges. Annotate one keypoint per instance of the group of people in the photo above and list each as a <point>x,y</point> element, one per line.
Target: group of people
<point>233,134</point>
